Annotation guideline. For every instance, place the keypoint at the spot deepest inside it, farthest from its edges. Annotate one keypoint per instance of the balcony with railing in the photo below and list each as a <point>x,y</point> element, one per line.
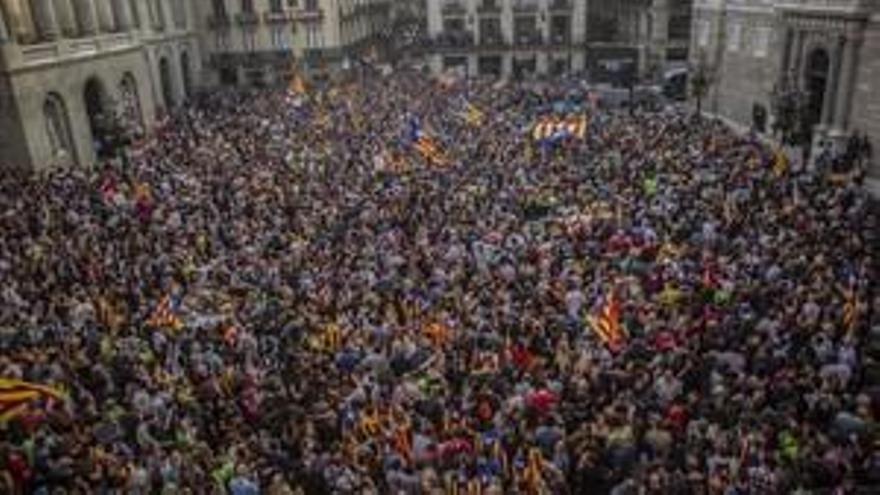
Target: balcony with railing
<point>559,6</point>
<point>247,18</point>
<point>492,40</point>
<point>560,39</point>
<point>489,7</point>
<point>275,17</point>
<point>219,21</point>
<point>849,6</point>
<point>453,39</point>
<point>528,38</point>
<point>454,7</point>
<point>525,6</point>
<point>308,14</point>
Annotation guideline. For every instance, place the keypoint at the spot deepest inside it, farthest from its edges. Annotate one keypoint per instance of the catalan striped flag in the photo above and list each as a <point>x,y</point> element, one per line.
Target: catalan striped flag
<point>472,115</point>
<point>780,162</point>
<point>429,149</point>
<point>370,424</point>
<point>850,310</point>
<point>553,128</point>
<point>402,441</point>
<point>532,473</point>
<point>438,333</point>
<point>607,326</point>
<point>16,396</point>
<point>332,337</point>
<point>164,316</point>
<point>297,85</point>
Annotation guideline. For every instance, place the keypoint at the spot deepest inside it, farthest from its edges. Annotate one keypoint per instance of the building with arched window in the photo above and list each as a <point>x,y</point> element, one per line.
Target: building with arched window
<point>74,74</point>
<point>824,52</point>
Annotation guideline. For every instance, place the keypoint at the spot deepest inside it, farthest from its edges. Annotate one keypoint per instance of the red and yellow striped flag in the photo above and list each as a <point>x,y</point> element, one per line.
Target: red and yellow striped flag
<point>607,325</point>
<point>17,395</point>
<point>850,310</point>
<point>780,162</point>
<point>297,85</point>
<point>163,316</point>
<point>430,150</point>
<point>437,333</point>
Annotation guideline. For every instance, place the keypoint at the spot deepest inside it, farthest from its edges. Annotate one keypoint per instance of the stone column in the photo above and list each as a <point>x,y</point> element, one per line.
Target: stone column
<point>66,18</point>
<point>4,30</point>
<point>845,88</point>
<point>832,83</point>
<point>122,14</point>
<point>86,17</point>
<point>797,54</point>
<point>44,19</point>
<point>659,30</point>
<point>785,65</point>
<point>105,16</point>
<point>506,22</point>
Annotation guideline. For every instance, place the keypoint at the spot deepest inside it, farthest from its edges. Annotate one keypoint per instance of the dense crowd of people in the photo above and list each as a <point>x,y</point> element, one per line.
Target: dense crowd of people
<point>276,293</point>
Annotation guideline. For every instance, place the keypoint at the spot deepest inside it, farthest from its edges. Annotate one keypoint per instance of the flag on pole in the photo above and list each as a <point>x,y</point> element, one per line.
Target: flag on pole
<point>430,150</point>
<point>16,396</point>
<point>552,128</point>
<point>607,325</point>
<point>780,162</point>
<point>297,85</point>
<point>437,333</point>
<point>850,310</point>
<point>164,316</point>
<point>472,115</point>
<point>424,144</point>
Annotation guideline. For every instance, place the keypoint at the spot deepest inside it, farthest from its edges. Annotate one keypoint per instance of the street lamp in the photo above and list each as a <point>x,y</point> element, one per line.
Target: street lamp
<point>790,108</point>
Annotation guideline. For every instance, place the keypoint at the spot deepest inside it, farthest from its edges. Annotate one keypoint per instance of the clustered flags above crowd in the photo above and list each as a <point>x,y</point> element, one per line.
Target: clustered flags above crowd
<point>492,328</point>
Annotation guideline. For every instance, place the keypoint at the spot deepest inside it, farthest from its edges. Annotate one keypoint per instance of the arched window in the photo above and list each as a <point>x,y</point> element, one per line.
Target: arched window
<point>185,73</point>
<point>165,82</point>
<point>131,105</point>
<point>58,128</point>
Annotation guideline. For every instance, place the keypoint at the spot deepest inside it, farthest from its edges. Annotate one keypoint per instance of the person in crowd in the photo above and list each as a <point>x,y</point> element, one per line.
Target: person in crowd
<point>389,286</point>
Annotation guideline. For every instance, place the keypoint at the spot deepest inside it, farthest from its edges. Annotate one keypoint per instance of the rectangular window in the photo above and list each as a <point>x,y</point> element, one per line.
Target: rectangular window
<point>248,39</point>
<point>222,40</point>
<point>314,38</point>
<point>279,40</point>
<point>734,36</point>
<point>762,41</point>
<point>704,31</point>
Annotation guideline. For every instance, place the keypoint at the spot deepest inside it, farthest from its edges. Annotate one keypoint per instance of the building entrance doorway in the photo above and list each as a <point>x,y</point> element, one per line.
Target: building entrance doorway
<point>816,81</point>
<point>102,120</point>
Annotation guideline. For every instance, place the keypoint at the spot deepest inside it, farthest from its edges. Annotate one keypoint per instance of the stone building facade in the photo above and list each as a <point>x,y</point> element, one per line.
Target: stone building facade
<point>259,42</point>
<point>65,65</point>
<point>828,49</point>
<point>519,37</point>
